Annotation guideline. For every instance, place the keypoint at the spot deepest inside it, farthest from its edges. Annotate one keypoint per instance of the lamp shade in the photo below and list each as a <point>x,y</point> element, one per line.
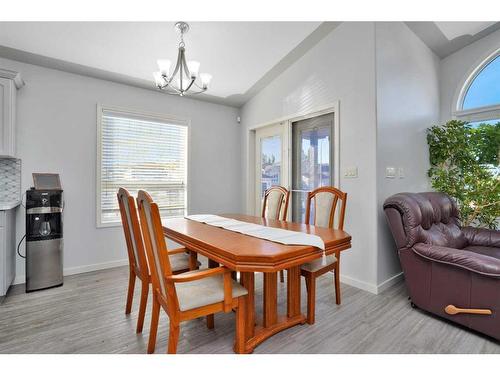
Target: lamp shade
<point>205,79</point>
<point>164,66</point>
<point>159,81</point>
<point>194,67</point>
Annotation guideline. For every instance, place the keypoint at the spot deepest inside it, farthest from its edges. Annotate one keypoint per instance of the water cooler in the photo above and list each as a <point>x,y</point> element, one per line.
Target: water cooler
<point>44,239</point>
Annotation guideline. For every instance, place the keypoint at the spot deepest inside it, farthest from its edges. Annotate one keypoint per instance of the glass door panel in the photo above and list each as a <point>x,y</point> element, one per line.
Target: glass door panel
<point>312,160</point>
<point>271,148</point>
<point>270,162</point>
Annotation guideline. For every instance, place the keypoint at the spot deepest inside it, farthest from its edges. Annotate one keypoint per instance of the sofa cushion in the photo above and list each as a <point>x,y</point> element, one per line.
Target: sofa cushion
<point>430,218</point>
<point>471,261</point>
<point>482,236</point>
<point>485,250</point>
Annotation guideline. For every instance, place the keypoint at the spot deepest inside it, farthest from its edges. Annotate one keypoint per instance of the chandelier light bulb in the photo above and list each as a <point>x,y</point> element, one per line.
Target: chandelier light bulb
<point>164,66</point>
<point>159,81</point>
<point>194,67</point>
<point>205,79</point>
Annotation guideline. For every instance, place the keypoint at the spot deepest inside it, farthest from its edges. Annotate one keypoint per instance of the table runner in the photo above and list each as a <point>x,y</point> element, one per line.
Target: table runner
<point>283,236</point>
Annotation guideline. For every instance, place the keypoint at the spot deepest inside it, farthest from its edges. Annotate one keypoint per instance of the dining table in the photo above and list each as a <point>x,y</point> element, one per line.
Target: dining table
<point>250,255</point>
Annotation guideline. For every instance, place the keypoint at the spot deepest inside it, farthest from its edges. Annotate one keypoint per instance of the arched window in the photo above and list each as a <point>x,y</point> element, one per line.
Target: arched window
<point>484,90</point>
<point>479,104</point>
<point>480,98</point>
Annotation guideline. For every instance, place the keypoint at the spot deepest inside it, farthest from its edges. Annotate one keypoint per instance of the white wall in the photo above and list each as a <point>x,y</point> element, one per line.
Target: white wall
<point>407,104</point>
<point>56,132</point>
<point>340,67</point>
<point>456,68</point>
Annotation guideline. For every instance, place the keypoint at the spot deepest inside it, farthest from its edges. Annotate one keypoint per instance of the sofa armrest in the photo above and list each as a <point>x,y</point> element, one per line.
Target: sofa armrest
<point>477,263</point>
<point>482,236</point>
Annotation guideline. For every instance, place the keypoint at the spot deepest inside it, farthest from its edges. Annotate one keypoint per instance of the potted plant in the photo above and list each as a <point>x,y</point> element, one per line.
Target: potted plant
<point>465,165</point>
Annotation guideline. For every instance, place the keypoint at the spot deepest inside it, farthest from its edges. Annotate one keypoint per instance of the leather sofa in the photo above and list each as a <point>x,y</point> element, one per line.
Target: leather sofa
<point>447,266</point>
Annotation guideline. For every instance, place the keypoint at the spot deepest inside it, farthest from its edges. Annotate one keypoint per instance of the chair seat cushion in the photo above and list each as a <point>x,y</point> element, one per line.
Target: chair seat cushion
<point>204,292</point>
<point>318,264</point>
<point>485,250</point>
<point>179,262</point>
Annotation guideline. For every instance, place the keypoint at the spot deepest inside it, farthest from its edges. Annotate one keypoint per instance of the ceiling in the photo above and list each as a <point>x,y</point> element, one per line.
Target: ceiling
<point>237,54</point>
<point>445,38</point>
<point>241,56</point>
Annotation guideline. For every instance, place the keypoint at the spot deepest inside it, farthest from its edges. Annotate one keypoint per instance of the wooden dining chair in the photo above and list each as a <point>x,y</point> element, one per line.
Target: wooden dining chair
<point>275,206</point>
<point>190,295</point>
<point>325,200</point>
<point>138,265</point>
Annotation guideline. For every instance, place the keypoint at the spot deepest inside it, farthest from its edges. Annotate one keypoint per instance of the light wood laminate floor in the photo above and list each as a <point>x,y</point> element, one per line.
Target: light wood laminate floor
<point>86,315</point>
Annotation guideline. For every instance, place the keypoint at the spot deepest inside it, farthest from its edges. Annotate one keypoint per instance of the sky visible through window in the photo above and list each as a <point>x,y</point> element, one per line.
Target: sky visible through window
<point>485,88</point>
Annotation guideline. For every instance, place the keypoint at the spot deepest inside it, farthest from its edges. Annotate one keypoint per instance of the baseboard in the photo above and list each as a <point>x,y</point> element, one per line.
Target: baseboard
<point>21,279</point>
<point>372,288</point>
<point>389,282</point>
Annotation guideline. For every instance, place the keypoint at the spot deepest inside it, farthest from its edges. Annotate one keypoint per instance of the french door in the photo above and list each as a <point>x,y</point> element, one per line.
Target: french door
<point>271,155</point>
<point>298,155</point>
<point>311,160</point>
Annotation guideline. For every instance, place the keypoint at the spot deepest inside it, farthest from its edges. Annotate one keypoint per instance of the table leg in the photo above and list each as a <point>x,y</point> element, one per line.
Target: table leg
<point>210,317</point>
<point>270,298</point>
<point>272,323</point>
<point>212,263</point>
<point>193,260</point>
<point>248,281</point>
<point>293,291</point>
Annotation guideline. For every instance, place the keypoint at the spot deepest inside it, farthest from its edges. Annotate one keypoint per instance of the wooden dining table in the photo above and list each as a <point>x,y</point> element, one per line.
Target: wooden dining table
<point>249,255</point>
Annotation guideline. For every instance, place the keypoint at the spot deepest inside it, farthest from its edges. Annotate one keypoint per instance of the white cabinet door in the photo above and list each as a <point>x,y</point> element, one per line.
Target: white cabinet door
<point>7,117</point>
<point>7,250</point>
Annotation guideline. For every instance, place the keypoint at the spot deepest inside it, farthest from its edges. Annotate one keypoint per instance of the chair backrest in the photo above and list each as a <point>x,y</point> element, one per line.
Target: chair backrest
<point>325,200</point>
<point>275,204</point>
<point>133,236</point>
<point>156,247</point>
<point>431,218</point>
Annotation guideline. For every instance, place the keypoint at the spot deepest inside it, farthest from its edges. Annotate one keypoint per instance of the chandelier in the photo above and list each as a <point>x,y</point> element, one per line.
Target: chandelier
<point>184,78</point>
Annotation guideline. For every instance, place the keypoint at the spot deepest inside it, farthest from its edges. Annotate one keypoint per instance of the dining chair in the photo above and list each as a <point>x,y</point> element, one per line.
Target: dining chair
<point>138,265</point>
<point>275,206</point>
<point>325,201</point>
<point>189,295</point>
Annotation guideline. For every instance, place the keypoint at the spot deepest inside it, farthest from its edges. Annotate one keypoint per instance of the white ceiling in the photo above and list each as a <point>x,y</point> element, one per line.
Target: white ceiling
<point>237,54</point>
<point>445,38</point>
<point>452,30</point>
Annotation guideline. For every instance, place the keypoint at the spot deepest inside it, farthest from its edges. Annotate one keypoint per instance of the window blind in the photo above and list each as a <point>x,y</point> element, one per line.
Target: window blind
<point>137,153</point>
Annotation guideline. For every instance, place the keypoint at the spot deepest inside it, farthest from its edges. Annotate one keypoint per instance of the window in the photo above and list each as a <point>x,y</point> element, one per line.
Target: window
<point>480,96</point>
<point>484,90</point>
<point>480,106</point>
<point>138,151</point>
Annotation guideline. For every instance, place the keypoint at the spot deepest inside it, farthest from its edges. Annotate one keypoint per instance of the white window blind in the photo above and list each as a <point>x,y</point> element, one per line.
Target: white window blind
<point>141,152</point>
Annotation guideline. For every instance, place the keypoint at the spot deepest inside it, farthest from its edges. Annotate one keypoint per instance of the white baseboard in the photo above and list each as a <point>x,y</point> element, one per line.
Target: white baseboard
<point>389,282</point>
<point>372,288</point>
<point>21,279</point>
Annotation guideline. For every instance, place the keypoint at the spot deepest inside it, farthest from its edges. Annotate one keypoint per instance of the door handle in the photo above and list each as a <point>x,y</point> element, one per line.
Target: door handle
<point>453,310</point>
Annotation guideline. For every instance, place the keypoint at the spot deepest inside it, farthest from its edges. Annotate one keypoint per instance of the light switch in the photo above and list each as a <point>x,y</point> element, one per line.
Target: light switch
<point>390,172</point>
<point>351,172</point>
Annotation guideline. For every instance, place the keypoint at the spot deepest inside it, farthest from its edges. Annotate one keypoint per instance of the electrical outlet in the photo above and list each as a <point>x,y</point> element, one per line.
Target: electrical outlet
<point>390,172</point>
<point>401,172</point>
<point>351,172</point>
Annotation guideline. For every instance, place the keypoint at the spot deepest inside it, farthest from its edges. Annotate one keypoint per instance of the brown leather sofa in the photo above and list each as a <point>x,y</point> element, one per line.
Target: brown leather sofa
<point>445,265</point>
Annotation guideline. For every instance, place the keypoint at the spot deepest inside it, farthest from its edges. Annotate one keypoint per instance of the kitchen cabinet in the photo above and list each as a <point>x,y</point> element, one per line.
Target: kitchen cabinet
<point>7,249</point>
<point>10,82</point>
